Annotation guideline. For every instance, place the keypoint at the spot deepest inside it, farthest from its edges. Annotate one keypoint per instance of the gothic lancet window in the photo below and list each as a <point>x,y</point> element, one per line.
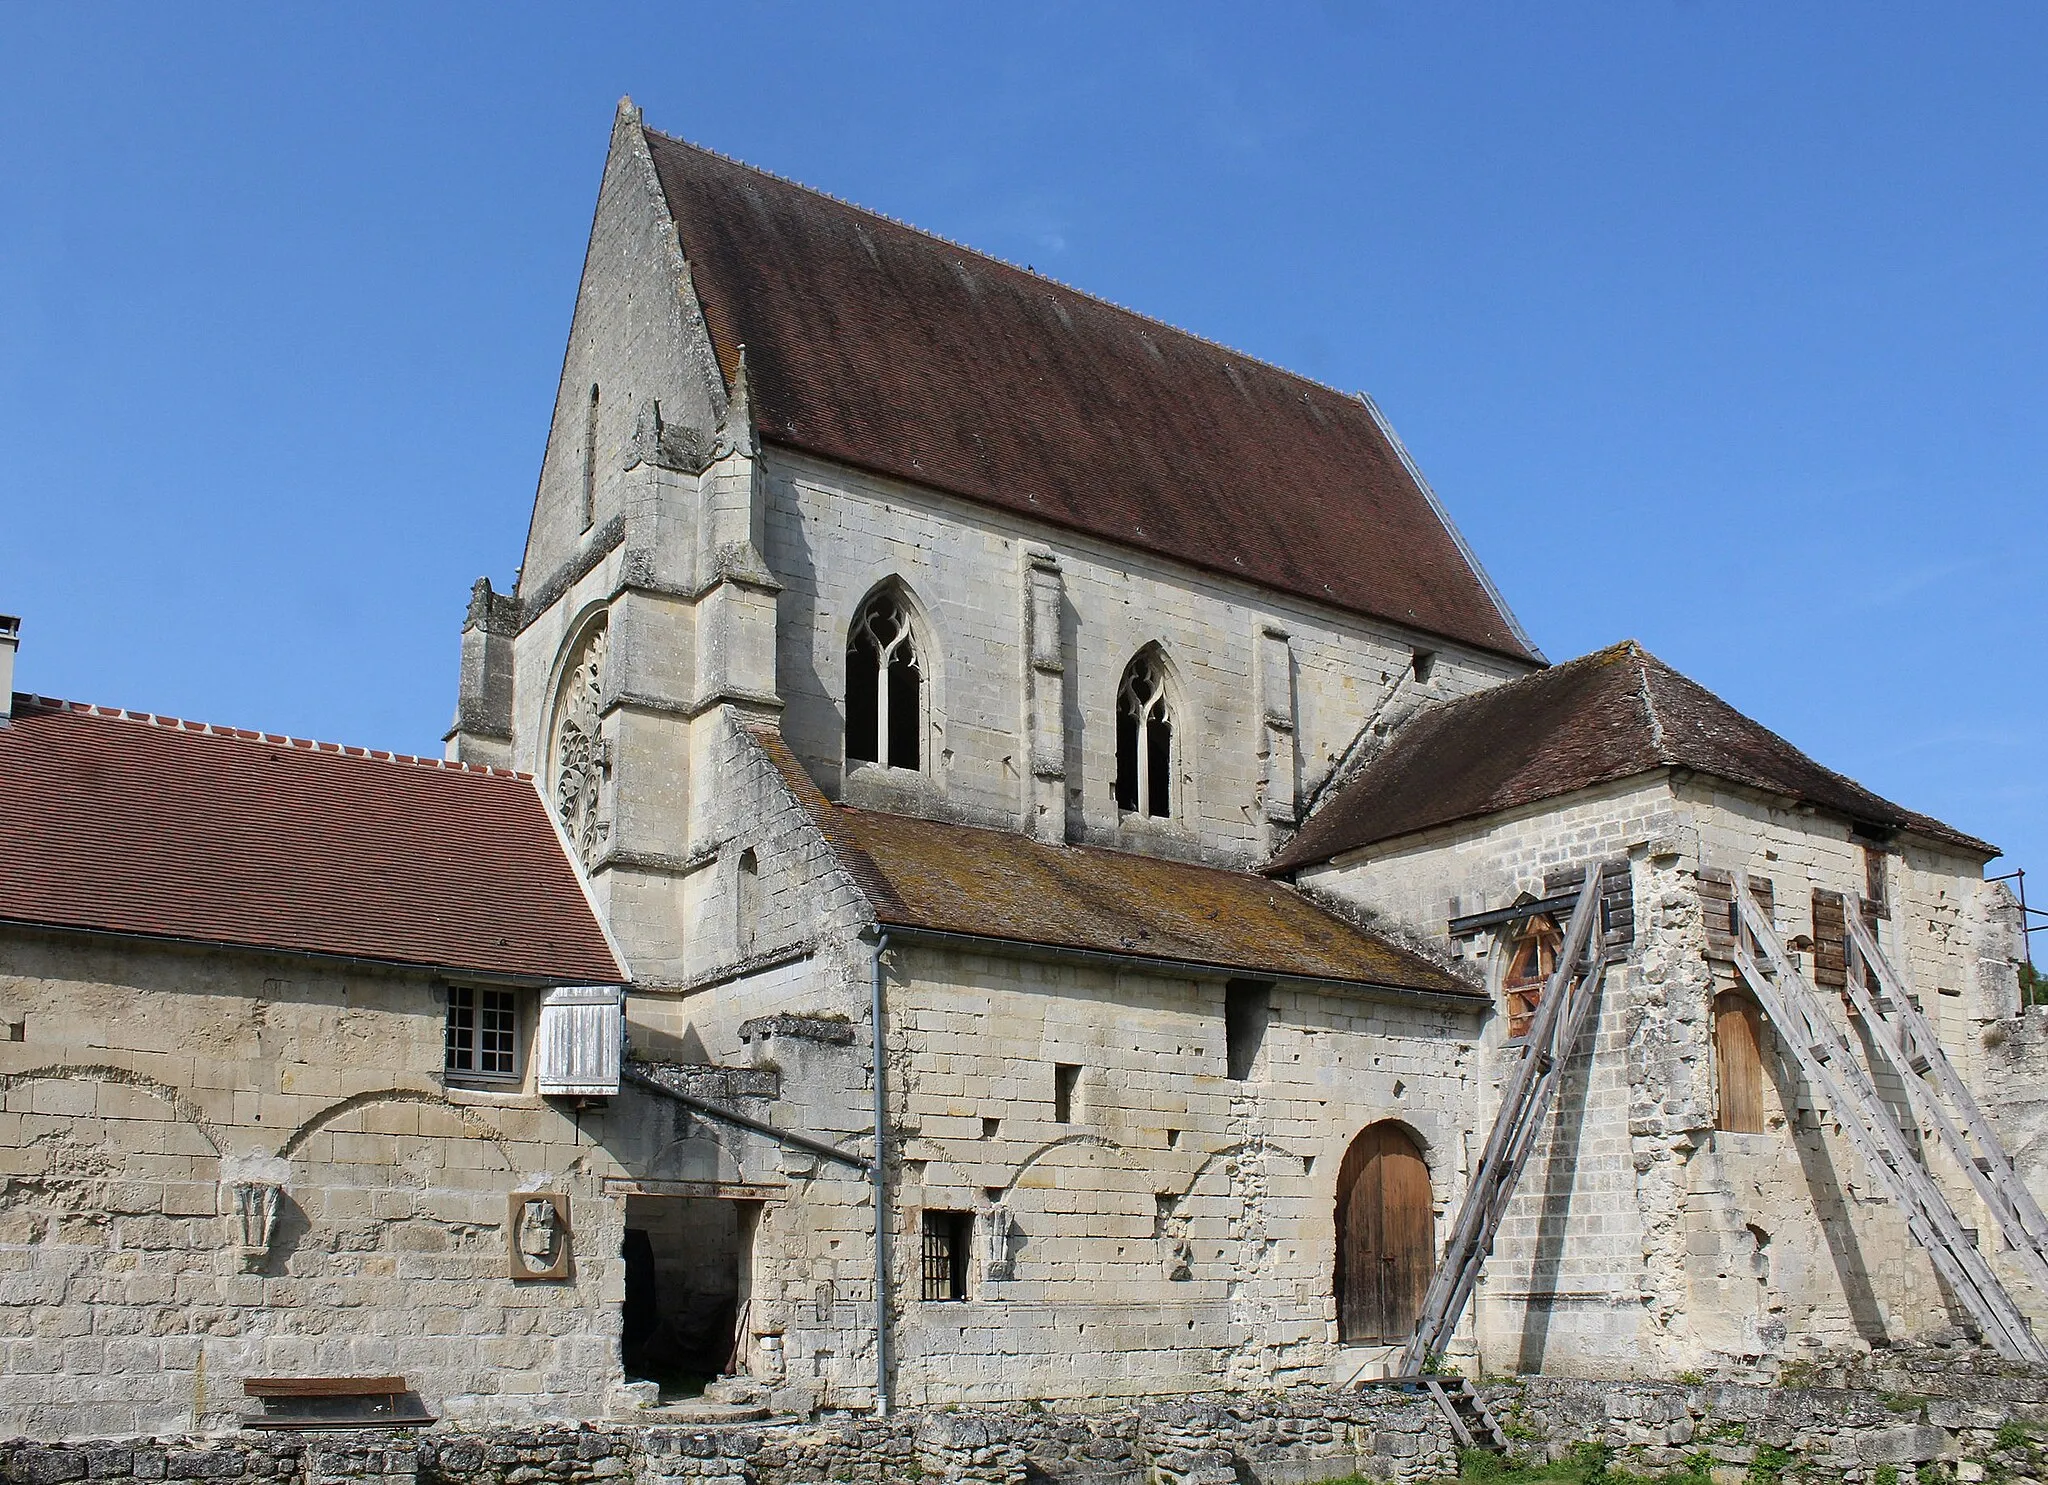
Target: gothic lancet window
<point>1144,739</point>
<point>578,745</point>
<point>884,686</point>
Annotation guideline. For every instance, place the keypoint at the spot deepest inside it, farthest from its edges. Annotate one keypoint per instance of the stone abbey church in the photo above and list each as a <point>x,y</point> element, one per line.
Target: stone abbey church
<point>995,849</point>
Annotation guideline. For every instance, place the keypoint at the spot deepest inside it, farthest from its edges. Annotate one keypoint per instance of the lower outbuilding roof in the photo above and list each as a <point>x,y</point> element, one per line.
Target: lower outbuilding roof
<point>1002,885</point>
<point>126,823</point>
<point>1614,714</point>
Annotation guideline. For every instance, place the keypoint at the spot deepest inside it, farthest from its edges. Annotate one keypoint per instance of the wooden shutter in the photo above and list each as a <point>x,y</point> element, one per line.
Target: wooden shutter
<point>1830,941</point>
<point>1717,903</point>
<point>1739,1064</point>
<point>1617,900</point>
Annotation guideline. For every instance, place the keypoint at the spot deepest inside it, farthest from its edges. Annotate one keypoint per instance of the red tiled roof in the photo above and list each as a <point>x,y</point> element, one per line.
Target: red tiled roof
<point>121,822</point>
<point>1000,884</point>
<point>877,345</point>
<point>1614,714</point>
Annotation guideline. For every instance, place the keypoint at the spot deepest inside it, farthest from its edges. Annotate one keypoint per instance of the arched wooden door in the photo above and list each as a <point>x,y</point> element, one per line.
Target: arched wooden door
<point>1386,1237</point>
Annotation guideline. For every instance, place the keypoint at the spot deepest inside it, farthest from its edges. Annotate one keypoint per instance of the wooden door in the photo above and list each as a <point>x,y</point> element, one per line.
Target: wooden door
<point>1386,1237</point>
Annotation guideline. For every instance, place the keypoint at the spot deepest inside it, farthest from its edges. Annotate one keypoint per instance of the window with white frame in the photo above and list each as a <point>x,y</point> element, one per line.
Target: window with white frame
<point>483,1032</point>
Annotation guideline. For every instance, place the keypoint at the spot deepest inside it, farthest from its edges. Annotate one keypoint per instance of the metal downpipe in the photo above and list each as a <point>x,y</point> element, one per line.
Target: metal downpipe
<point>878,1174</point>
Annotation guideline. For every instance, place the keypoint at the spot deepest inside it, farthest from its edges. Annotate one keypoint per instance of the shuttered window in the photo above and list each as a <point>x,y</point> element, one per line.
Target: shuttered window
<point>1739,1064</point>
<point>1532,958</point>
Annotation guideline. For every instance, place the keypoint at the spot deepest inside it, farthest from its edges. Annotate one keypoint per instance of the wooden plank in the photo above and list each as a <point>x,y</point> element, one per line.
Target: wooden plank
<point>323,1387</point>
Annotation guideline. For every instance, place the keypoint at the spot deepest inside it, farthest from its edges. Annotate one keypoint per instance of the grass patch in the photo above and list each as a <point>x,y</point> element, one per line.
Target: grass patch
<point>1588,1464</point>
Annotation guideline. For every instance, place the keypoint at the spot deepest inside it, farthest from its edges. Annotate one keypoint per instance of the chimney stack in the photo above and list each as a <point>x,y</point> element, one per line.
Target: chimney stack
<point>10,641</point>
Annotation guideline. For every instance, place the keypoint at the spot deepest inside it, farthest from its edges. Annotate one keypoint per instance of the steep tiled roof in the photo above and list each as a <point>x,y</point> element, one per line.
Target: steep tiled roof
<point>999,884</point>
<point>121,822</point>
<point>1614,714</point>
<point>877,345</point>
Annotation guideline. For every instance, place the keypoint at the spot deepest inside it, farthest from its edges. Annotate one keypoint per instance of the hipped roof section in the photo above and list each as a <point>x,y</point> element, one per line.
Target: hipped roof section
<point>879,346</point>
<point>1615,714</point>
<point>1003,885</point>
<point>125,823</point>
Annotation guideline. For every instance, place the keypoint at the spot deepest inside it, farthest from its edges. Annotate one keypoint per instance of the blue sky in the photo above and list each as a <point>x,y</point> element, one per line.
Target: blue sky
<point>1723,326</point>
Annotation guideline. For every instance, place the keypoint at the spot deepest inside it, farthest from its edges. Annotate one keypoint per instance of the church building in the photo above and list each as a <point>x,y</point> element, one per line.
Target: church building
<point>994,849</point>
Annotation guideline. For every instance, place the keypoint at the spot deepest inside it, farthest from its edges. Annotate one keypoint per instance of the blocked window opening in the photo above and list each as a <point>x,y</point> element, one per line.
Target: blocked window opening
<point>1247,1008</point>
<point>1739,1064</point>
<point>482,1034</point>
<point>1144,739</point>
<point>947,1239</point>
<point>1532,959</point>
<point>1066,1084</point>
<point>689,1282</point>
<point>884,687</point>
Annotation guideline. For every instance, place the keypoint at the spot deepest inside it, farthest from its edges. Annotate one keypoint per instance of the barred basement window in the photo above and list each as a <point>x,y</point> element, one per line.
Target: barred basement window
<point>947,1236</point>
<point>884,686</point>
<point>1144,739</point>
<point>483,1032</point>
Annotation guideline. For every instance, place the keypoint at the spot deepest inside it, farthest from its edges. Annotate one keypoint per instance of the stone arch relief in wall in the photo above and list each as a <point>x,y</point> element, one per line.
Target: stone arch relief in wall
<point>576,746</point>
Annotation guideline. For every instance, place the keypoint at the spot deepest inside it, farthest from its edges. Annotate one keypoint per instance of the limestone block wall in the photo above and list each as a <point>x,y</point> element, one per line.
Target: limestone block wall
<point>1642,1236</point>
<point>637,336</point>
<point>834,533</point>
<point>1940,921</point>
<point>1178,1229</point>
<point>150,1084</point>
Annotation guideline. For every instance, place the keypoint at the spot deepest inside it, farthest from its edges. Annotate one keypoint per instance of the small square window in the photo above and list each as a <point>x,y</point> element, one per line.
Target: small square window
<point>947,1237</point>
<point>482,1038</point>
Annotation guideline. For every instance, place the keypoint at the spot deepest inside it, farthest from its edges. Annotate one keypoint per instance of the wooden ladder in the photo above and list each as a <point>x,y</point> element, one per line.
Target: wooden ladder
<point>1832,1066</point>
<point>1900,1030</point>
<point>1525,1101</point>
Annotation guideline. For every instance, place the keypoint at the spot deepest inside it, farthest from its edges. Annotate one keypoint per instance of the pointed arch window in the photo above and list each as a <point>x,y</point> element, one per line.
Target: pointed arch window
<point>884,686</point>
<point>1532,959</point>
<point>1144,739</point>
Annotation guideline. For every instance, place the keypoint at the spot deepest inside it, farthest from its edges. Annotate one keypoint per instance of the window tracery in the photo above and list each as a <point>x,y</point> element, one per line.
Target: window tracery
<point>579,745</point>
<point>1144,739</point>
<point>884,686</point>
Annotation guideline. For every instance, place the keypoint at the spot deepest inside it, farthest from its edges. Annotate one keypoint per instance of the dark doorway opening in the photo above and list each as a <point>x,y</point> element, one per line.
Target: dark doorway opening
<point>1386,1237</point>
<point>689,1280</point>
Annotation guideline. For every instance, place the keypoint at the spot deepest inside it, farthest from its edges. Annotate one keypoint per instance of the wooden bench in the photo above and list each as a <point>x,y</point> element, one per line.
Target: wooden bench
<point>325,1402</point>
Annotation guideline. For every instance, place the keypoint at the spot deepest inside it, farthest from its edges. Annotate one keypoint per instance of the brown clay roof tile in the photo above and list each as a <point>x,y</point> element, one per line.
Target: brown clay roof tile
<point>880,346</point>
<point>999,884</point>
<point>121,822</point>
<point>1614,714</point>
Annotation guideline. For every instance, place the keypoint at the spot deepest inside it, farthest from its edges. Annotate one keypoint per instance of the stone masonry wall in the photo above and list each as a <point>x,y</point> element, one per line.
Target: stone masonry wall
<point>154,1092</point>
<point>1178,1228</point>
<point>1643,1237</point>
<point>833,533</point>
<point>1277,1439</point>
<point>1889,1419</point>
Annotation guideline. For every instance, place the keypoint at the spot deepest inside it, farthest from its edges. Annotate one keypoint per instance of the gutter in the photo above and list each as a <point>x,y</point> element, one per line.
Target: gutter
<point>1468,1000</point>
<point>878,1173</point>
<point>317,956</point>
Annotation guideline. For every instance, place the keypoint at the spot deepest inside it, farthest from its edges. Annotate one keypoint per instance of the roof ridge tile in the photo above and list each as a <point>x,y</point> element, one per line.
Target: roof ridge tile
<point>245,734</point>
